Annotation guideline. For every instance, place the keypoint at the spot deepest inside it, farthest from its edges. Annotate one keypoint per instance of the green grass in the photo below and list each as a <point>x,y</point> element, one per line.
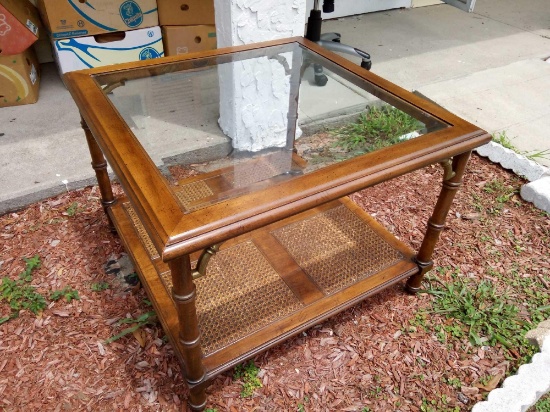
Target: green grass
<point>377,128</point>
<point>454,382</point>
<point>437,406</point>
<point>505,141</point>
<point>487,316</point>
<point>247,373</point>
<point>502,194</point>
<point>538,154</point>
<point>542,405</point>
<point>534,297</point>
<point>502,139</point>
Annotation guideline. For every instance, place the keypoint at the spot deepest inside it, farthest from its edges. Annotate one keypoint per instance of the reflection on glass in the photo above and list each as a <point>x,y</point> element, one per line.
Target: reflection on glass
<point>376,127</point>
<point>220,128</point>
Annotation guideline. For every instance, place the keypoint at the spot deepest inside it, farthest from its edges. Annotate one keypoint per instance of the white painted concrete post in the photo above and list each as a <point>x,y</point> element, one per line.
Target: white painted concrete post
<point>259,89</point>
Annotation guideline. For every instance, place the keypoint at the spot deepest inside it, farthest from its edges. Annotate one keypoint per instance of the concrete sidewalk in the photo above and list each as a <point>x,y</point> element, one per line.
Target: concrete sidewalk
<point>487,67</point>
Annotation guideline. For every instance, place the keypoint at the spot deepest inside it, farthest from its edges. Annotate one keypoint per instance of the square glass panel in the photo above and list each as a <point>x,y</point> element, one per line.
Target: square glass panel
<point>224,126</point>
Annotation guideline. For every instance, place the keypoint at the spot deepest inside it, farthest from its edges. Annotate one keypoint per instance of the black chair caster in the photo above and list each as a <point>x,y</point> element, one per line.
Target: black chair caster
<point>366,64</point>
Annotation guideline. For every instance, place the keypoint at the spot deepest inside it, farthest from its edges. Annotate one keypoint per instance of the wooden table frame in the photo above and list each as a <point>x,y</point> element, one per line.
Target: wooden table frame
<point>176,239</point>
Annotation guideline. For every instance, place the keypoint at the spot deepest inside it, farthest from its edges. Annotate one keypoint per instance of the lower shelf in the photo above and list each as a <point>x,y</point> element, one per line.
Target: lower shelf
<point>270,284</point>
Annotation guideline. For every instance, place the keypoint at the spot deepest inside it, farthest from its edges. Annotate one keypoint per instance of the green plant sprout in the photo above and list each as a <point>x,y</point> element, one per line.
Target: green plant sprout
<point>73,209</point>
<point>248,374</point>
<point>99,286</point>
<point>145,319</point>
<point>67,292</point>
<point>19,294</point>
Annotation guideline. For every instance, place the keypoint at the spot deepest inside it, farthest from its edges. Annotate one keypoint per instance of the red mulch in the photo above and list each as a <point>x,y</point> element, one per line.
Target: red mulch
<point>368,356</point>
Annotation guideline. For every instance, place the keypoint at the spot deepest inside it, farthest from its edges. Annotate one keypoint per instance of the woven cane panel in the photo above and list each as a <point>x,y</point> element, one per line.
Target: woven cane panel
<point>336,248</point>
<point>240,294</point>
<point>190,193</point>
<point>246,174</point>
<point>142,233</point>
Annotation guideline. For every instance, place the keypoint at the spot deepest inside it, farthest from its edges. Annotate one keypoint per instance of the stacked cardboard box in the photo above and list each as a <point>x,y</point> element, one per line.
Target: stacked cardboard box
<point>187,25</point>
<point>94,33</point>
<point>19,69</point>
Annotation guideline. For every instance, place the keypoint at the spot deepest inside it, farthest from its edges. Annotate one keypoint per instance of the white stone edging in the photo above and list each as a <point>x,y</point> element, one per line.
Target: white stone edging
<point>519,392</point>
<point>514,161</point>
<point>538,190</point>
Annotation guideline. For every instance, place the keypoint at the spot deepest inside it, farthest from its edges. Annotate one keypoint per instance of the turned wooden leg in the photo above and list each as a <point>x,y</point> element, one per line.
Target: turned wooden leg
<point>452,181</point>
<point>100,166</point>
<point>184,294</point>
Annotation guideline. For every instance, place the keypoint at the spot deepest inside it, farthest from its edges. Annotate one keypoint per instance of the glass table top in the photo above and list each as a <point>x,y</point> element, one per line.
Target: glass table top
<point>228,125</point>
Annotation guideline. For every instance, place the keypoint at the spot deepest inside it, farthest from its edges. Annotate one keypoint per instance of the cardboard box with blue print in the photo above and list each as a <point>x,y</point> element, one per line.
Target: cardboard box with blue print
<point>79,53</point>
<point>19,26</point>
<point>19,78</point>
<point>75,18</point>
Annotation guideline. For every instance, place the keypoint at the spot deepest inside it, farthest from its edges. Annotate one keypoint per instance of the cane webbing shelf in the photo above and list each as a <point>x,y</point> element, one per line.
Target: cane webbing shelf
<point>248,300</point>
<point>229,182</point>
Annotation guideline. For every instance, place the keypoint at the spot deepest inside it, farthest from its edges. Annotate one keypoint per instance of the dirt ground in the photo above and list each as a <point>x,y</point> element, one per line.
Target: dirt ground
<point>367,358</point>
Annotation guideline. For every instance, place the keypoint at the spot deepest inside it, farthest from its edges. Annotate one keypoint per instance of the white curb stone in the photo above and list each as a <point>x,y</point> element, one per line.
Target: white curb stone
<point>521,391</point>
<point>538,193</point>
<point>538,190</point>
<point>511,160</point>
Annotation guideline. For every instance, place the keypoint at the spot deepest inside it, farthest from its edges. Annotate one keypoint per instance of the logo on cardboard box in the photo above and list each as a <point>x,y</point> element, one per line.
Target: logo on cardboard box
<point>32,27</point>
<point>4,26</point>
<point>21,86</point>
<point>131,14</point>
<point>148,53</point>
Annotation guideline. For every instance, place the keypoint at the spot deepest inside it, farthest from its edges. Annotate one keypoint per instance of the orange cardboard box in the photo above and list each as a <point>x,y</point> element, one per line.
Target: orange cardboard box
<point>19,26</point>
<point>185,12</point>
<point>188,39</point>
<point>19,79</point>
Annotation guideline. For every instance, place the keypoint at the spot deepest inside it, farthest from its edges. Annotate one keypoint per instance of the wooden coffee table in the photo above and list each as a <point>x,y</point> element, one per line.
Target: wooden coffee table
<point>244,241</point>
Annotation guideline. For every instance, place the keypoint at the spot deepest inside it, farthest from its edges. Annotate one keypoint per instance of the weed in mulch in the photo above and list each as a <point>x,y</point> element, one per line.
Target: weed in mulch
<point>67,292</point>
<point>485,315</point>
<point>19,294</point>
<point>148,318</point>
<point>99,286</point>
<point>247,374</point>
